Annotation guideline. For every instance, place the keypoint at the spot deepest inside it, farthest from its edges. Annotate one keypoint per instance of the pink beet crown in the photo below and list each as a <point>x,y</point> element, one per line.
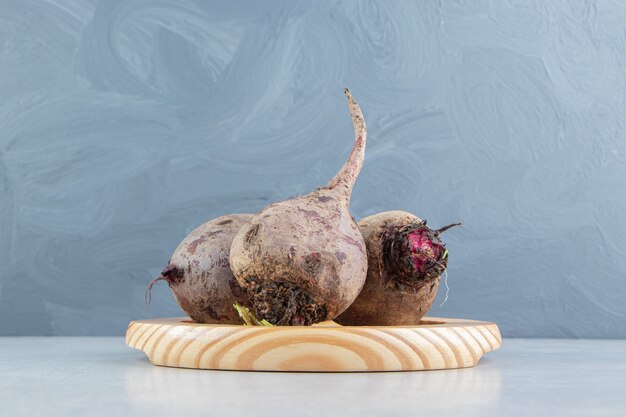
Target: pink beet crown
<point>423,249</point>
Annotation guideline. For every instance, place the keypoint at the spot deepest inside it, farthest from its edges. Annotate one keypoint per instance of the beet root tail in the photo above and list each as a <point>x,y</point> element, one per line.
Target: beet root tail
<point>347,175</point>
<point>148,296</point>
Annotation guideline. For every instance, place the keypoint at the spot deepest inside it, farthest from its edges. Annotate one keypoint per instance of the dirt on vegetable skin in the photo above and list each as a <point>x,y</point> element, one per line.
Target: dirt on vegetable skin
<point>405,262</point>
<point>303,260</point>
<point>199,272</point>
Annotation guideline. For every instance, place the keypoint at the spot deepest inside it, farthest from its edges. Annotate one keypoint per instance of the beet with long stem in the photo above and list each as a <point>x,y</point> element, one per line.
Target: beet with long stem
<point>302,261</point>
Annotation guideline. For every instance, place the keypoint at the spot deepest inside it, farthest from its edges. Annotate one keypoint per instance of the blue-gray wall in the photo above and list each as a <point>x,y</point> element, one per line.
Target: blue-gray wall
<point>123,125</point>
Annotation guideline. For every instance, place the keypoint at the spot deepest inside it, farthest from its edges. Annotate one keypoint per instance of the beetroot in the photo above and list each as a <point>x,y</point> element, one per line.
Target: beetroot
<point>406,259</point>
<point>199,272</point>
<point>302,261</point>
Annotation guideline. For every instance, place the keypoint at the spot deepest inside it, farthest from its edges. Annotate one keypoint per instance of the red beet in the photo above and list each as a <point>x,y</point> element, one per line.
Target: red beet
<point>199,272</point>
<point>303,260</point>
<point>405,261</point>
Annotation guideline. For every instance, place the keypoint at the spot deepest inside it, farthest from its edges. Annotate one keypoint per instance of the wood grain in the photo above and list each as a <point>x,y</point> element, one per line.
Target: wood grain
<point>437,343</point>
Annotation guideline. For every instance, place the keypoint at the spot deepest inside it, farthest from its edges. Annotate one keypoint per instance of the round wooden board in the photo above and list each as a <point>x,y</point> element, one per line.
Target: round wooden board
<point>436,343</point>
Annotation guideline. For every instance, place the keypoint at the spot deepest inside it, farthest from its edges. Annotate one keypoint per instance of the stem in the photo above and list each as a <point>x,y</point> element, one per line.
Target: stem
<point>346,177</point>
<point>444,228</point>
<point>248,317</point>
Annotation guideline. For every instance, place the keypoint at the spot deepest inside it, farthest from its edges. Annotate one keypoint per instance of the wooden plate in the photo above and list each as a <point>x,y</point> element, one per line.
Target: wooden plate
<point>437,343</point>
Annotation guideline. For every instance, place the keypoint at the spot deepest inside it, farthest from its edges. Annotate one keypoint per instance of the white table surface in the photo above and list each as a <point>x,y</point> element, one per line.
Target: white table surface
<point>100,376</point>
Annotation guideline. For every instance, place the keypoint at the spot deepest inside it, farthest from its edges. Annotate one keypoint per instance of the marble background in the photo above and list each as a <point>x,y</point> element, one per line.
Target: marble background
<point>126,124</point>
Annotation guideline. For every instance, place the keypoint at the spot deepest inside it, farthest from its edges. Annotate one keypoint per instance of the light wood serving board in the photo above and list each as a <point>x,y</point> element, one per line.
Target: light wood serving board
<point>436,343</point>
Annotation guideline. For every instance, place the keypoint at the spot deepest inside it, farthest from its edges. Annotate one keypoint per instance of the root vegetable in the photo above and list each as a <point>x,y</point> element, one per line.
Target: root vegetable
<point>199,272</point>
<point>302,261</point>
<point>406,259</point>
